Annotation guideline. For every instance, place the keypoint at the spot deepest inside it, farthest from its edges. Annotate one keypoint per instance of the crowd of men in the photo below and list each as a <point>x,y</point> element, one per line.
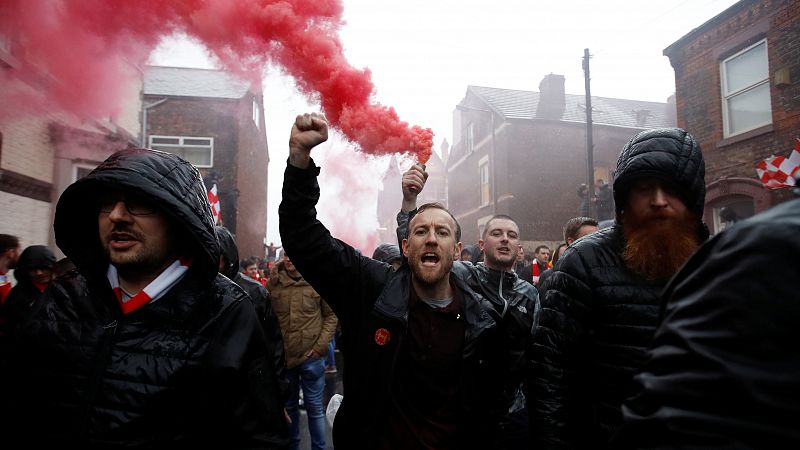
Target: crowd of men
<point>642,334</point>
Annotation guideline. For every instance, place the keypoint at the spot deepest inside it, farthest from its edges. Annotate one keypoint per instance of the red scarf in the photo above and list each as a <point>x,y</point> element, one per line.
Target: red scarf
<point>153,291</point>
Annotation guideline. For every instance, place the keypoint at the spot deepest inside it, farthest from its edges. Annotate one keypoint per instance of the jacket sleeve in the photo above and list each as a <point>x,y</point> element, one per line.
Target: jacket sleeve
<point>339,273</point>
<point>557,351</point>
<point>246,392</point>
<point>272,330</point>
<point>723,370</point>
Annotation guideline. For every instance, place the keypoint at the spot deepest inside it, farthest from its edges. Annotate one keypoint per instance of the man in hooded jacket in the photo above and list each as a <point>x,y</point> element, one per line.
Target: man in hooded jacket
<point>145,345</point>
<point>600,307</point>
<point>34,273</point>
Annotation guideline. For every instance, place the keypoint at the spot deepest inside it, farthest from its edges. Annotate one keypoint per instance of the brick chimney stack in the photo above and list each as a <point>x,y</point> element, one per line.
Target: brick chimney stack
<point>552,99</point>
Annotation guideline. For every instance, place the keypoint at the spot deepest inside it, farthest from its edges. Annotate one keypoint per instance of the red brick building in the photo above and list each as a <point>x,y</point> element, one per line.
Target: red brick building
<point>523,153</point>
<point>215,121</point>
<point>737,80</point>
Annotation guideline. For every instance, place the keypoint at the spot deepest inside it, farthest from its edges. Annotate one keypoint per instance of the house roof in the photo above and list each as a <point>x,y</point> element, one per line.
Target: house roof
<point>188,82</point>
<point>515,104</point>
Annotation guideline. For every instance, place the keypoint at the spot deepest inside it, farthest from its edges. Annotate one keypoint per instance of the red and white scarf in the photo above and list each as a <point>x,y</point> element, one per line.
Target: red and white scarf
<point>153,291</point>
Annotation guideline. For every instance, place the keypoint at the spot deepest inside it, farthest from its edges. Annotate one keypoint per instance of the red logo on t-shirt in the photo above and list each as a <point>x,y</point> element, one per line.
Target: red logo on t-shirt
<point>382,336</point>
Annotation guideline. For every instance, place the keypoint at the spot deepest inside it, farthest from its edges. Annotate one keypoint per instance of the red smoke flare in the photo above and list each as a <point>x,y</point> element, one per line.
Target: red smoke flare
<point>77,49</point>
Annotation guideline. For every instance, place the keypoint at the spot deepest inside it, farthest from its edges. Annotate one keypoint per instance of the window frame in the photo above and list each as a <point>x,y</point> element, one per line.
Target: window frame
<point>181,144</point>
<point>727,96</point>
<point>484,164</point>
<point>76,166</point>
<point>256,114</point>
<point>470,137</point>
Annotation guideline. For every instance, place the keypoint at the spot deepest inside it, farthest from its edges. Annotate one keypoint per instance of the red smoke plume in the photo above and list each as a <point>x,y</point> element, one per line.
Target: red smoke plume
<point>78,49</point>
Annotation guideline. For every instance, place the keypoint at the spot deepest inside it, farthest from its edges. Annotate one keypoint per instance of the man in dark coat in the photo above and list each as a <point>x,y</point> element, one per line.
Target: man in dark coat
<point>724,370</point>
<point>145,345</point>
<point>262,300</point>
<point>515,304</point>
<point>34,273</point>
<point>600,307</point>
<point>420,347</point>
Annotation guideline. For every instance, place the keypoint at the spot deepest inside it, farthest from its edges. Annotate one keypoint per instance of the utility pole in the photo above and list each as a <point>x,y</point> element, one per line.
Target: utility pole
<point>589,143</point>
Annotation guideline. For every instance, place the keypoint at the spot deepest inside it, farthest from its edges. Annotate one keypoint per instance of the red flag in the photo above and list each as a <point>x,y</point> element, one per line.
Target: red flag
<point>778,172</point>
<point>213,199</point>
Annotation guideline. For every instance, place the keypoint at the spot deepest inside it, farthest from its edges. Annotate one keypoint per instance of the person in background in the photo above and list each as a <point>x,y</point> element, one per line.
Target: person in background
<point>34,273</point>
<point>523,269</point>
<point>559,250</point>
<point>389,254</point>
<point>145,344</point>
<point>724,371</point>
<point>600,306</point>
<point>9,254</point>
<point>308,324</point>
<point>540,263</point>
<point>604,201</point>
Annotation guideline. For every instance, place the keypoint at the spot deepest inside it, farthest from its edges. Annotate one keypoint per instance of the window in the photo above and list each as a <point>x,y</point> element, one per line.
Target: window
<point>256,113</point>
<point>483,170</point>
<point>81,170</point>
<point>731,211</point>
<point>197,150</point>
<point>470,141</point>
<point>745,90</point>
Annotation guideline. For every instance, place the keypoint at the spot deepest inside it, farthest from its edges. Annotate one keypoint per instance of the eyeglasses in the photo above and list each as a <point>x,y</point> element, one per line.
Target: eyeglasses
<point>135,207</point>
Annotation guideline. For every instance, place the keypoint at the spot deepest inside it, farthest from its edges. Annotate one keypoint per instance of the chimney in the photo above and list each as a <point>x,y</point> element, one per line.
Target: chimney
<point>552,100</point>
<point>445,151</point>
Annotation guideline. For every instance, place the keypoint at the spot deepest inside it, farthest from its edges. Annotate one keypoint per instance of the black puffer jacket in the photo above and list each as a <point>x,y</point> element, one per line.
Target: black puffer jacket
<point>598,317</point>
<point>724,370</point>
<point>262,300</point>
<point>368,295</point>
<point>190,369</point>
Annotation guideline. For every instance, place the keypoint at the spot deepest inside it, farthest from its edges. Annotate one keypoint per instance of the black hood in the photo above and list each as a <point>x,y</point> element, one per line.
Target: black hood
<point>33,257</point>
<point>230,253</point>
<point>387,253</point>
<point>169,181</point>
<point>669,154</point>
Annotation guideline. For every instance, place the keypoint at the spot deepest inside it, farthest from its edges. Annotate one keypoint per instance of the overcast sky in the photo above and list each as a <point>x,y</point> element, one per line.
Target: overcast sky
<point>423,54</point>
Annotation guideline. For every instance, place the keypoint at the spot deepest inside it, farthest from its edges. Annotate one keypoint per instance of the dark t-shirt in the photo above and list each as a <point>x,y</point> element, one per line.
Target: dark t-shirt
<point>425,388</point>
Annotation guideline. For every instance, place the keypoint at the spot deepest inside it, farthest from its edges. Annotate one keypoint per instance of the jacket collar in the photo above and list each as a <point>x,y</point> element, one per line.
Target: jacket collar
<point>393,300</point>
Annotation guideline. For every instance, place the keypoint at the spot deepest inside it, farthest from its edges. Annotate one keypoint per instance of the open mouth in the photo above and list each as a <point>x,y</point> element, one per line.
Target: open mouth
<point>122,240</point>
<point>429,259</point>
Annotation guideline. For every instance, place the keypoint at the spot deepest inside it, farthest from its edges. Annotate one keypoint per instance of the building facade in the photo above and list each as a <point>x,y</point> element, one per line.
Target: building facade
<point>216,122</point>
<point>737,80</point>
<point>523,153</point>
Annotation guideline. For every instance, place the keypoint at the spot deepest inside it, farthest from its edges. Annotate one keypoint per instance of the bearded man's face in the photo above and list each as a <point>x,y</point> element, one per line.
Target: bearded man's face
<point>660,232</point>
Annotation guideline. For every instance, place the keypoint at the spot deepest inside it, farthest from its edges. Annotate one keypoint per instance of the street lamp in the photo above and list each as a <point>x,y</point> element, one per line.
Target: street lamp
<point>491,153</point>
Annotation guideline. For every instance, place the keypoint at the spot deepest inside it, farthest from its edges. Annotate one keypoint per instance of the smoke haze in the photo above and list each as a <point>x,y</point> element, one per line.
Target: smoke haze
<point>79,49</point>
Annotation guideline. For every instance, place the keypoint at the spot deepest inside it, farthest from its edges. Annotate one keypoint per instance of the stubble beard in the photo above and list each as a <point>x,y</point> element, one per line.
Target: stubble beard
<point>426,277</point>
<point>657,247</point>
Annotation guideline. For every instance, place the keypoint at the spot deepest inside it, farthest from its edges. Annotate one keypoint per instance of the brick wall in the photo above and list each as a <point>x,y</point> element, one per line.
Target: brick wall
<point>696,59</point>
<point>252,165</point>
<point>240,158</point>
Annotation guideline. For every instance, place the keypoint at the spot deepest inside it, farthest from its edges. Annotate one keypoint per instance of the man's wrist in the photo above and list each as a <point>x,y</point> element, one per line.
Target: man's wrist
<point>299,159</point>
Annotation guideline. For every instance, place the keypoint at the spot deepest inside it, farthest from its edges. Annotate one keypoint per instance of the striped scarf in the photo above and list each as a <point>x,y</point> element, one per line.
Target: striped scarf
<point>153,291</point>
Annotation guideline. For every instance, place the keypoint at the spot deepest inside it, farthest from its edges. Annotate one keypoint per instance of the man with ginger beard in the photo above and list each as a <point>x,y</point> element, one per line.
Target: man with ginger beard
<point>419,345</point>
<point>601,305</point>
